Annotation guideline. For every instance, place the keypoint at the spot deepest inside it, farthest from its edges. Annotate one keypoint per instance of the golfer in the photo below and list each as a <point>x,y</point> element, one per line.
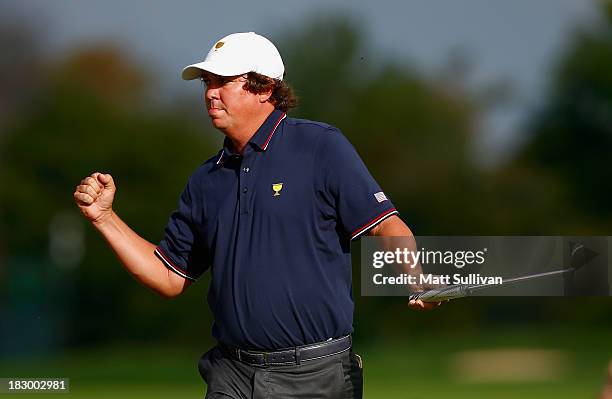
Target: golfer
<point>272,215</point>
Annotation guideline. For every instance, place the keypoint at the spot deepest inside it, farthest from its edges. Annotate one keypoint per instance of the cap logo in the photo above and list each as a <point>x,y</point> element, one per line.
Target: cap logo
<point>219,45</point>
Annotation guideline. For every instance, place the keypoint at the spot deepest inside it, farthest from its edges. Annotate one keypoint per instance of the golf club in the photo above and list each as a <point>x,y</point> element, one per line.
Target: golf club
<point>578,258</point>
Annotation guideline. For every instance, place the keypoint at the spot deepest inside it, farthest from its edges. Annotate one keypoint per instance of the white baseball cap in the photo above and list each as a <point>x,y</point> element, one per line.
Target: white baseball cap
<point>239,53</point>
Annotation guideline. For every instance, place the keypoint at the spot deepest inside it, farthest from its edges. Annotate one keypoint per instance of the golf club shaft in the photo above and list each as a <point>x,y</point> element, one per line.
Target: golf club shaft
<point>463,290</point>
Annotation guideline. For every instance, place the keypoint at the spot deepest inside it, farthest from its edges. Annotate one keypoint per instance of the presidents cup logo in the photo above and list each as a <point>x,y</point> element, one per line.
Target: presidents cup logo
<point>277,187</point>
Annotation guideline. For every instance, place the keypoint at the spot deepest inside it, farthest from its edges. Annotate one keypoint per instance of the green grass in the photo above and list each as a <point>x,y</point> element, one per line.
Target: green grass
<point>417,367</point>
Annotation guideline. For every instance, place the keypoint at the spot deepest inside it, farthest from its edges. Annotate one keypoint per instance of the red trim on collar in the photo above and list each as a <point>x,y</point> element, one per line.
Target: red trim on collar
<point>265,145</point>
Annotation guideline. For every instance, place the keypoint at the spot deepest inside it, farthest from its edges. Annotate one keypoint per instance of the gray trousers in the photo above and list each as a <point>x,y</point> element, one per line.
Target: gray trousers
<point>337,376</point>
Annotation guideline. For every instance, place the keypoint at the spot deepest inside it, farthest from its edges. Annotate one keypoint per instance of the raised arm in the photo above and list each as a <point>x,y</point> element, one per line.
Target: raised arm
<point>94,196</point>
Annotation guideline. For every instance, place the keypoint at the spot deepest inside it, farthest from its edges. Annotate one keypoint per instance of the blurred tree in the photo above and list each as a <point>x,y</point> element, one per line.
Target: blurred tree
<point>20,79</point>
<point>20,69</point>
<point>571,137</point>
<point>325,63</point>
<point>94,115</point>
<point>104,73</point>
<point>558,182</point>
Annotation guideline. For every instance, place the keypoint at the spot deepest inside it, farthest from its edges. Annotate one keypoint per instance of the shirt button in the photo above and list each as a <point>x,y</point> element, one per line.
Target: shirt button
<point>244,190</point>
<point>246,170</point>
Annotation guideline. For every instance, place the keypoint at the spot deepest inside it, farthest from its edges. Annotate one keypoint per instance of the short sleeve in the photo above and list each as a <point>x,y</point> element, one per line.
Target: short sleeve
<point>360,203</point>
<point>182,249</point>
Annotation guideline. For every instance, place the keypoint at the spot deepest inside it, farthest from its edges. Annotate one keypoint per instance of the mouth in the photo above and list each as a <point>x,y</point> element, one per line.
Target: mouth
<point>214,111</point>
<point>214,107</point>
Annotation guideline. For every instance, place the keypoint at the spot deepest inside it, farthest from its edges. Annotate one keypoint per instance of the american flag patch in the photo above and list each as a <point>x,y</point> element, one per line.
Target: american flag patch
<point>380,196</point>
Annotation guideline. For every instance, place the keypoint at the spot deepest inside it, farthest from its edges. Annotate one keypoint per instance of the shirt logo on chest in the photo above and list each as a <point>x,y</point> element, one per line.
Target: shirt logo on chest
<point>277,187</point>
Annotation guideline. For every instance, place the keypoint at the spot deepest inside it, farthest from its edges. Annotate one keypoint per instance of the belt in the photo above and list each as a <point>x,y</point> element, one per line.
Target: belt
<point>291,356</point>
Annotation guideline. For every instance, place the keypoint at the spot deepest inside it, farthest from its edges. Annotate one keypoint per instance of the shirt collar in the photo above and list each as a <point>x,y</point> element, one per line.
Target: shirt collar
<point>261,139</point>
<point>264,134</point>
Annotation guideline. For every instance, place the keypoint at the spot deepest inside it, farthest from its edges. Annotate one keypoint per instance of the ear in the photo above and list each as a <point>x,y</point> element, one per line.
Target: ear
<point>265,96</point>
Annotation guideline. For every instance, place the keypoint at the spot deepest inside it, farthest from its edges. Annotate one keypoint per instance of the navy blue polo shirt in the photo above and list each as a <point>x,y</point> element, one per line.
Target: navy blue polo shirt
<point>274,225</point>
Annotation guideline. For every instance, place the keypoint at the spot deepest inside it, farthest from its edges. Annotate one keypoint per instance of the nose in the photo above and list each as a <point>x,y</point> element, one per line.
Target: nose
<point>211,93</point>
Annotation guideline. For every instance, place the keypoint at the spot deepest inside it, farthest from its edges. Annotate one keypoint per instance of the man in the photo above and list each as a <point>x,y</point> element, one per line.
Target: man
<point>272,215</point>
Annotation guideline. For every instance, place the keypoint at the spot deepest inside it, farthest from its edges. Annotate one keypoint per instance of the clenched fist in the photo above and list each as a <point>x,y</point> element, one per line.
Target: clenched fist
<point>94,196</point>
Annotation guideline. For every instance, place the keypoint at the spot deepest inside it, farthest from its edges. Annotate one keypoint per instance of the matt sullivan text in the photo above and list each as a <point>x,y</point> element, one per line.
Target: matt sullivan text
<point>404,278</point>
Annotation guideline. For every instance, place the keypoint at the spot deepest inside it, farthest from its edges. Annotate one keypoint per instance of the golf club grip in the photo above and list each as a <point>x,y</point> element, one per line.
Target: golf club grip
<point>442,294</point>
